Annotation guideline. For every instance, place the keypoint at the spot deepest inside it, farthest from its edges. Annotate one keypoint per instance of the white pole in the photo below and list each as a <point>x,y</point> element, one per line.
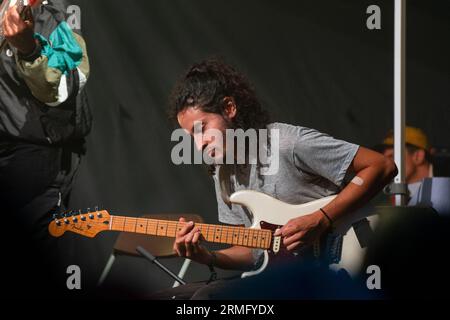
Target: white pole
<point>399,95</point>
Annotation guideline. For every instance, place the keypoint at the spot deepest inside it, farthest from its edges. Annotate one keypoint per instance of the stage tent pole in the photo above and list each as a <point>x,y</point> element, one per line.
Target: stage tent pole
<point>399,100</point>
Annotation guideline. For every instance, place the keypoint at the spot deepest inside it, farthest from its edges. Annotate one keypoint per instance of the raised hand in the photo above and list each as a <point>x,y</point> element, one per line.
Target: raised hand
<point>19,32</point>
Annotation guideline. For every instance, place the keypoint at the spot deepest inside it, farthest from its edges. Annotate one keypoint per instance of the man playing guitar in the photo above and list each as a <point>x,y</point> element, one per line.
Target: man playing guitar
<point>312,165</point>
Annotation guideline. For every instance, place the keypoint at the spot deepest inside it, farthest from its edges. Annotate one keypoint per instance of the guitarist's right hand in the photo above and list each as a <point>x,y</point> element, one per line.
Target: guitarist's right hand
<point>187,244</point>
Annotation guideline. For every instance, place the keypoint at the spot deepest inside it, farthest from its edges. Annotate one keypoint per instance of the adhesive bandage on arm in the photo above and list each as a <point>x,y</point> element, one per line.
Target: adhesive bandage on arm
<point>358,181</point>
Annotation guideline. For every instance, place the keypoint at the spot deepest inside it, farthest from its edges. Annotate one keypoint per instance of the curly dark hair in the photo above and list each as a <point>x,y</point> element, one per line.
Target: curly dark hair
<point>206,84</point>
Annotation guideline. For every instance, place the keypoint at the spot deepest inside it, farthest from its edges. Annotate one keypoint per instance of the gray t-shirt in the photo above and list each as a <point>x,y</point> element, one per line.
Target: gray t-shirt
<point>312,165</point>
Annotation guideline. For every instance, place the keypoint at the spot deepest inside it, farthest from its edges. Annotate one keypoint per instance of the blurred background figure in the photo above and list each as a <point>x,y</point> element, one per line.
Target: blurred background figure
<point>426,170</point>
<point>409,242</point>
<point>418,159</point>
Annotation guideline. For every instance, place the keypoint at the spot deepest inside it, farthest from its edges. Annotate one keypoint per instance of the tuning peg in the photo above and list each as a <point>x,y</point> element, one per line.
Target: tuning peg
<point>99,215</point>
<point>56,218</point>
<point>90,214</point>
<point>83,218</point>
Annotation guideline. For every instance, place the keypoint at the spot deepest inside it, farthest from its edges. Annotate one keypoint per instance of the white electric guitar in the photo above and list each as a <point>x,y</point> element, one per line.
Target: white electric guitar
<point>269,214</point>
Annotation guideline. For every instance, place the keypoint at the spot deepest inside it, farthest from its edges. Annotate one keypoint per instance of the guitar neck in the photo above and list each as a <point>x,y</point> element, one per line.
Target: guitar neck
<point>246,237</point>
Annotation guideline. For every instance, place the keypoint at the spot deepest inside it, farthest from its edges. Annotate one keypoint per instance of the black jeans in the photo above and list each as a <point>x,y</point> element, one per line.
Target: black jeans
<point>35,183</point>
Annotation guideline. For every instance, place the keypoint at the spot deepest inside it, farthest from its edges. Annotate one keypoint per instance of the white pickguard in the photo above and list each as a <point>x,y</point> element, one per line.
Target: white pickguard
<point>268,209</point>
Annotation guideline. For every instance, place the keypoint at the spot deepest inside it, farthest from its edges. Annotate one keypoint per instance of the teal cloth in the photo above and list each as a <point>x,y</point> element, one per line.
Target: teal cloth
<point>62,49</point>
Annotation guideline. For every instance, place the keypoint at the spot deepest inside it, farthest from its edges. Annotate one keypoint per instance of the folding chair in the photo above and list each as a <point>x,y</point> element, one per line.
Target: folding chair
<point>160,247</point>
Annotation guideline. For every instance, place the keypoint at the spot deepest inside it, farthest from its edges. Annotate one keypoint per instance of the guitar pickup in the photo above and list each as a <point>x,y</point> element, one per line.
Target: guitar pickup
<point>276,244</point>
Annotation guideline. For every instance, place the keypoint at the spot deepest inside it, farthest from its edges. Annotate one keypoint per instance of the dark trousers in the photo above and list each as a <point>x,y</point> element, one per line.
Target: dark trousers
<point>290,281</point>
<point>197,290</point>
<point>35,183</point>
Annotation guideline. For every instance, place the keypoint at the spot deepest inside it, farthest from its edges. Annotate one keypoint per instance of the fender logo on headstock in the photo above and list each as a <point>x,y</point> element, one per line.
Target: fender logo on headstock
<point>74,227</point>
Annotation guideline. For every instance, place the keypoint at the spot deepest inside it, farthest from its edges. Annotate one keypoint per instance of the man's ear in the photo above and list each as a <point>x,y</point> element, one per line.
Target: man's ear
<point>230,109</point>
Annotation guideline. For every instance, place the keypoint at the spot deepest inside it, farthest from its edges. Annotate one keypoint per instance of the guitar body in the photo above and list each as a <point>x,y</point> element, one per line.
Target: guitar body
<point>271,214</point>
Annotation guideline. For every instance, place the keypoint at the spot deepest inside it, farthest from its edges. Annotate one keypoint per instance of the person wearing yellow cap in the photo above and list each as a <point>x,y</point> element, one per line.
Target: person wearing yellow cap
<point>418,161</point>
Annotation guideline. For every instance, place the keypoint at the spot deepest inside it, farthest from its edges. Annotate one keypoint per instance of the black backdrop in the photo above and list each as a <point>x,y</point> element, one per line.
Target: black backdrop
<point>313,63</point>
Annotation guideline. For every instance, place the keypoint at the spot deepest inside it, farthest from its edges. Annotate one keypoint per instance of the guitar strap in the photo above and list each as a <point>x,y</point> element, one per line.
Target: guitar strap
<point>363,232</point>
<point>225,183</point>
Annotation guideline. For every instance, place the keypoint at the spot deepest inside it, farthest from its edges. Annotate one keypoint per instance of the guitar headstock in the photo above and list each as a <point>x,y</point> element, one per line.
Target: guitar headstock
<point>87,224</point>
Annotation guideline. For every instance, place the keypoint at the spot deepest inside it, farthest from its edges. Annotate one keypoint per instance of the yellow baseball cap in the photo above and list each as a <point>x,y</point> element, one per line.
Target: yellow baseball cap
<point>413,136</point>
